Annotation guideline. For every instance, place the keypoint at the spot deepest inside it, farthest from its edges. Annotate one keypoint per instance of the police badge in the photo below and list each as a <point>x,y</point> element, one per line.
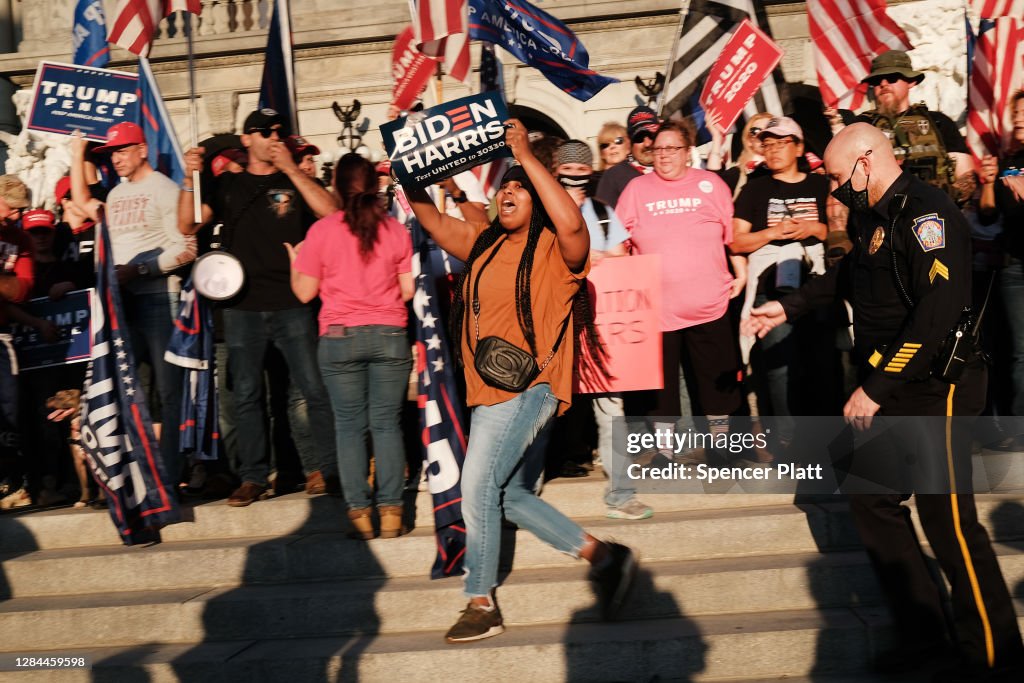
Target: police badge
<point>876,240</point>
<point>930,231</point>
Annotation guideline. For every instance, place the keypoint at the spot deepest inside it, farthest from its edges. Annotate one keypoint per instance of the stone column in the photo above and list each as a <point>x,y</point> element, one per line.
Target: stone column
<point>8,119</point>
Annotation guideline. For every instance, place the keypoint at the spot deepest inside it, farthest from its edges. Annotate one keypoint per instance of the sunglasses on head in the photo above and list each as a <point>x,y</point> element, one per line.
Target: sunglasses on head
<point>617,141</point>
<point>876,81</point>
<point>267,132</point>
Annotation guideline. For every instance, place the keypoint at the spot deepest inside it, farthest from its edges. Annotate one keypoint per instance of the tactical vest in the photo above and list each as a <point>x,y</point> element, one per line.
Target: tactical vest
<point>918,146</point>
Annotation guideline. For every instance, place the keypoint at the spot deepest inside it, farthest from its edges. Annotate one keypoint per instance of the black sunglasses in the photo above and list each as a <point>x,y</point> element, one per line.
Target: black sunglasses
<point>876,81</point>
<point>641,136</point>
<point>754,132</point>
<point>267,132</point>
<point>617,141</point>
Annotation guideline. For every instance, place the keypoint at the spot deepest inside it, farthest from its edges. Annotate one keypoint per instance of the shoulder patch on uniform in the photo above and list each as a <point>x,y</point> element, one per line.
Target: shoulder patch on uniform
<point>930,231</point>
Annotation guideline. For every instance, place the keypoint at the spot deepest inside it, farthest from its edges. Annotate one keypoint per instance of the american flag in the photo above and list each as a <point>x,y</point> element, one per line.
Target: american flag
<point>277,87</point>
<point>441,416</point>
<point>997,71</point>
<point>706,29</point>
<point>135,21</point>
<point>990,9</point>
<point>441,29</point>
<point>491,80</point>
<point>847,35</point>
<point>117,432</point>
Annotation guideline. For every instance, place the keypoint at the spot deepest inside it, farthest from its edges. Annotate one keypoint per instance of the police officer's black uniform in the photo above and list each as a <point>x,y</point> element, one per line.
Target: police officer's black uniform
<point>898,335</point>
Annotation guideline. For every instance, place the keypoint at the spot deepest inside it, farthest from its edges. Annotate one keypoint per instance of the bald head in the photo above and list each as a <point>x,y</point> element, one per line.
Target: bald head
<point>862,145</point>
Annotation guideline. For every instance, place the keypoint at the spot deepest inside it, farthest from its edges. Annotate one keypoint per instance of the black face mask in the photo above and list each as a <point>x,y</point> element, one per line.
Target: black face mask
<point>575,181</point>
<point>855,200</point>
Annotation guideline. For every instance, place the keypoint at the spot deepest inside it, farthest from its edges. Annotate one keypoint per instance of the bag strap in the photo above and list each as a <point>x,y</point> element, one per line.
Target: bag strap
<point>602,215</point>
<point>476,310</point>
<point>229,224</point>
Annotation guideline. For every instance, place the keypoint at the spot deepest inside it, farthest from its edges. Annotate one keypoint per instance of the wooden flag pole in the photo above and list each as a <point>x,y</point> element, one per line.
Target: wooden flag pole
<point>197,199</point>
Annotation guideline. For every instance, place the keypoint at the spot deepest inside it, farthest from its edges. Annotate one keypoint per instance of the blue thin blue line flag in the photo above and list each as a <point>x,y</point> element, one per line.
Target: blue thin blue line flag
<point>191,347</point>
<point>117,432</point>
<point>440,409</point>
<point>164,151</point>
<point>539,40</point>
<point>277,88</point>
<point>89,34</point>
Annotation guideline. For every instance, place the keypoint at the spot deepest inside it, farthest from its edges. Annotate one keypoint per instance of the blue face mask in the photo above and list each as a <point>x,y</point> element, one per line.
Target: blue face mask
<point>855,200</point>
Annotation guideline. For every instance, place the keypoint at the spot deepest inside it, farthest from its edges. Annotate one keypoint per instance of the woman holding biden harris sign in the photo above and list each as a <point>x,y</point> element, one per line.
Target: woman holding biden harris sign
<point>512,328</point>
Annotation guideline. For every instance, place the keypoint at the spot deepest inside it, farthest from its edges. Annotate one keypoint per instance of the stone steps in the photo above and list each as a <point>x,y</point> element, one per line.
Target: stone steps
<point>765,646</point>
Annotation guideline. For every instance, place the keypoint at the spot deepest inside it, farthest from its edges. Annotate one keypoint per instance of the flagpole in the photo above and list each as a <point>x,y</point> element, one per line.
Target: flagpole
<point>439,95</point>
<point>197,200</point>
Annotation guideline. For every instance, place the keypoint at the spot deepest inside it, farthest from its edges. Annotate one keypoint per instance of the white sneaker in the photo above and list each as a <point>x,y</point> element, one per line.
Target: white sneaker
<point>631,509</point>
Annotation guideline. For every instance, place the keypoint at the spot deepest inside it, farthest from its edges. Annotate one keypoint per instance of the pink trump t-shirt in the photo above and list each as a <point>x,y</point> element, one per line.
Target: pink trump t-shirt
<point>353,291</point>
<point>688,221</point>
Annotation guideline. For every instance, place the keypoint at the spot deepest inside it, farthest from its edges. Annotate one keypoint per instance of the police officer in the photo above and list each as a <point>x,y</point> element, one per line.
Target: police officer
<point>908,278</point>
<point>926,143</point>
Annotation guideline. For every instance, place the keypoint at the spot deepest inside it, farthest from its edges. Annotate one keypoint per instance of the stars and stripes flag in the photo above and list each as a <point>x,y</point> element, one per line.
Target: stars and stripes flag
<point>706,28</point>
<point>997,71</point>
<point>117,432</point>
<point>161,140</point>
<point>990,9</point>
<point>89,34</point>
<point>191,347</point>
<point>135,21</point>
<point>441,30</point>
<point>847,35</point>
<point>491,80</point>
<point>277,87</point>
<point>441,416</point>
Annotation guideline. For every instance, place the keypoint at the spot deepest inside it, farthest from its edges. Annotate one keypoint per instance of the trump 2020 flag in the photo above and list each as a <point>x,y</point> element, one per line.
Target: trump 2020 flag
<point>191,348</point>
<point>161,140</point>
<point>539,40</point>
<point>89,34</point>
<point>277,88</point>
<point>117,432</point>
<point>441,420</point>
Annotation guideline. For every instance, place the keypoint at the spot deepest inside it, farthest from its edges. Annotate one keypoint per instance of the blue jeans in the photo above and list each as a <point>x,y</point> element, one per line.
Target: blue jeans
<point>497,475</point>
<point>366,373</point>
<point>293,331</point>
<point>1011,281</point>
<point>150,320</point>
<point>778,352</point>
<point>614,464</point>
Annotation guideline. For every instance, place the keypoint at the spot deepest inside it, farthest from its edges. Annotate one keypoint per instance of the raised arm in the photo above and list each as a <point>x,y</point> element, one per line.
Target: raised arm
<point>451,234</point>
<point>80,194</point>
<point>566,219</point>
<point>187,223</point>
<point>318,199</point>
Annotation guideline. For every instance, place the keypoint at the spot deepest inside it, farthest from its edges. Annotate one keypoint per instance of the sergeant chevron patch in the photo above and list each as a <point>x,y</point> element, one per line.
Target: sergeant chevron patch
<point>938,269</point>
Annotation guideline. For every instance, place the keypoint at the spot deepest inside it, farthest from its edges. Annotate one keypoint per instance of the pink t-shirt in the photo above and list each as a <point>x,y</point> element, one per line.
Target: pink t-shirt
<point>353,291</point>
<point>688,221</point>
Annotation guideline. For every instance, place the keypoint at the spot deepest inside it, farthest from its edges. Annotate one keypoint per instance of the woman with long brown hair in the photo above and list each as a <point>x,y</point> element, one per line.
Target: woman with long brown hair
<point>359,261</point>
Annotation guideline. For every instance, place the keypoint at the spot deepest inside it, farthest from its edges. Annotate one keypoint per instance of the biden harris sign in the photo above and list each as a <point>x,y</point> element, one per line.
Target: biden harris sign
<point>437,143</point>
<point>69,97</point>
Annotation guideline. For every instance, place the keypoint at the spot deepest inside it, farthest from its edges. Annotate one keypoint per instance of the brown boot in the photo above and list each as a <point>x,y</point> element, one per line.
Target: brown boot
<point>362,522</point>
<point>390,521</point>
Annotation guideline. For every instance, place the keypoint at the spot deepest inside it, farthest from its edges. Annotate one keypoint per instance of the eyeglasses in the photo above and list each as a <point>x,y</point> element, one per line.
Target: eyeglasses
<point>668,149</point>
<point>267,132</point>
<point>754,132</point>
<point>641,136</point>
<point>769,145</point>
<point>617,141</point>
<point>876,81</point>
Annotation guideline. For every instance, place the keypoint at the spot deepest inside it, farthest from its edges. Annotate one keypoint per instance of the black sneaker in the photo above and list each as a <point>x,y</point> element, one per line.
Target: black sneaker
<point>613,578</point>
<point>476,623</point>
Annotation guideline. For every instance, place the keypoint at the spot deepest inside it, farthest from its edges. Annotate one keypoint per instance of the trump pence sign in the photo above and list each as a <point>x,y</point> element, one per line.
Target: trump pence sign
<point>69,97</point>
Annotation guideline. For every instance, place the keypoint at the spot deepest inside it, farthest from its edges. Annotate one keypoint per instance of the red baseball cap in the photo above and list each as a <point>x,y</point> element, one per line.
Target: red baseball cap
<point>299,146</point>
<point>122,135</point>
<point>38,218</point>
<point>63,189</point>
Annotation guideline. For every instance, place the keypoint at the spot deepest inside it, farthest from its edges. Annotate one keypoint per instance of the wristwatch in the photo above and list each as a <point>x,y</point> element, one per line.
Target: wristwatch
<point>460,198</point>
<point>142,269</point>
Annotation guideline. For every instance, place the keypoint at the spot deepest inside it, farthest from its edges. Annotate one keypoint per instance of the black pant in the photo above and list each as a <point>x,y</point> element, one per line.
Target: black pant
<point>984,621</point>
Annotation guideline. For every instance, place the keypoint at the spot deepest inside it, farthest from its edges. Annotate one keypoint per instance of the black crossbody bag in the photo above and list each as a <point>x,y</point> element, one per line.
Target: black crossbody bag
<point>499,363</point>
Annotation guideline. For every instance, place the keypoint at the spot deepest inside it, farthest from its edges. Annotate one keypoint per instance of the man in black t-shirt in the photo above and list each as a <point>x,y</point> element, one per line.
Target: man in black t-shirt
<point>271,203</point>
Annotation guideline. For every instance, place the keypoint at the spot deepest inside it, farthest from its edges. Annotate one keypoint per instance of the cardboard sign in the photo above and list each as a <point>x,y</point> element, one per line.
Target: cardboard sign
<point>410,69</point>
<point>748,59</point>
<point>67,97</point>
<point>71,316</point>
<point>440,142</point>
<point>625,293</point>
